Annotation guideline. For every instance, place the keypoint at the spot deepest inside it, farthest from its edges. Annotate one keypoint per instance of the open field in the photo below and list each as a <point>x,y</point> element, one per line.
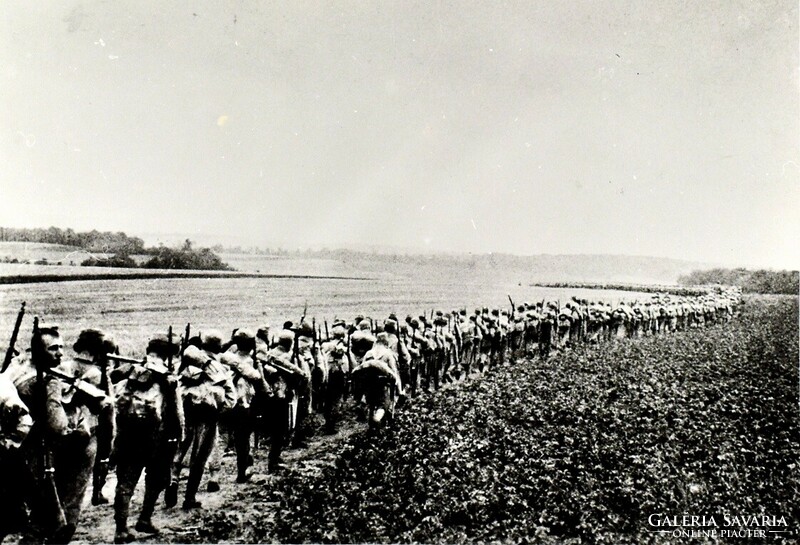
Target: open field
<point>133,310</point>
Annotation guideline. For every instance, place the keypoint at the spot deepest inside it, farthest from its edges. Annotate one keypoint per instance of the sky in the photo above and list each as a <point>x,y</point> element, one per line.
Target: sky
<point>665,128</point>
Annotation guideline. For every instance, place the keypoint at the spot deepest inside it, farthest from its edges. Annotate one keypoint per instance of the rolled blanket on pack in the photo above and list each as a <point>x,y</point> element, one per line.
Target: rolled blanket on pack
<point>377,365</point>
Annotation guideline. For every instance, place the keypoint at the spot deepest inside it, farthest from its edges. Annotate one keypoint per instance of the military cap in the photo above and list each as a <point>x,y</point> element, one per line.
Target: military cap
<point>194,356</point>
<point>211,341</point>
<point>463,312</point>
<point>94,342</point>
<point>285,338</point>
<point>339,323</point>
<point>390,326</point>
<point>288,325</point>
<point>439,313</point>
<point>305,330</point>
<point>49,329</point>
<point>393,316</point>
<point>159,344</point>
<point>495,312</point>
<point>242,334</point>
<point>414,323</point>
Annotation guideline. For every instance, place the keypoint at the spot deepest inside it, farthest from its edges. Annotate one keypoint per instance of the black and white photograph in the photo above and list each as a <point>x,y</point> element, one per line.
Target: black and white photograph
<point>400,271</point>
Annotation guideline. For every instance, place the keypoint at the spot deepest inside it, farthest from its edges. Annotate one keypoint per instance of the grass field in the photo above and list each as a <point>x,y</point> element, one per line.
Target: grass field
<point>133,310</point>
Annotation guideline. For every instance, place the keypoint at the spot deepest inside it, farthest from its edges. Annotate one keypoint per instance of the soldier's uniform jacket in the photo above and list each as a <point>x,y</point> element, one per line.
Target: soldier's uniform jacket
<point>361,342</point>
<point>71,407</point>
<point>467,331</point>
<point>15,418</point>
<point>381,358</point>
<point>503,322</point>
<point>144,398</point>
<point>282,383</point>
<point>565,318</point>
<point>310,358</point>
<point>399,349</point>
<point>621,314</point>
<point>247,380</point>
<point>209,386</point>
<point>334,352</point>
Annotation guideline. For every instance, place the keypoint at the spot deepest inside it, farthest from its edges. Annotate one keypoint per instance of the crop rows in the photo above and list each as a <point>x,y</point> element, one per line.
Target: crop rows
<point>579,448</point>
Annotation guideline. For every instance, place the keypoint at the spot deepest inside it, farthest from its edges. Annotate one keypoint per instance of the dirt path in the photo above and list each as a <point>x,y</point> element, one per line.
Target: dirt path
<point>229,511</point>
<point>228,507</point>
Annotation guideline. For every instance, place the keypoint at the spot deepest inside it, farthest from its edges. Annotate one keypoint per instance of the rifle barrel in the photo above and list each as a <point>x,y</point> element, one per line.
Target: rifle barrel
<point>13,341</point>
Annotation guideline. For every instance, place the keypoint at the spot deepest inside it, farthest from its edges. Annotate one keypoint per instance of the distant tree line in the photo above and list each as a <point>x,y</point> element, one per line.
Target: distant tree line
<point>91,241</point>
<point>760,281</point>
<point>120,247</point>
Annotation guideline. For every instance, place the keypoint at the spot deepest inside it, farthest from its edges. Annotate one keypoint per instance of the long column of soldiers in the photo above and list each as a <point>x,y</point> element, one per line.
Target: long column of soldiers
<point>64,422</point>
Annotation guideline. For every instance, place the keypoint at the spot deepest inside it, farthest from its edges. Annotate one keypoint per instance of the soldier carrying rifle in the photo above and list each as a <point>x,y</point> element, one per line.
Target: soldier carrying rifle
<point>93,348</point>
<point>15,424</point>
<point>60,450</point>
<point>150,425</point>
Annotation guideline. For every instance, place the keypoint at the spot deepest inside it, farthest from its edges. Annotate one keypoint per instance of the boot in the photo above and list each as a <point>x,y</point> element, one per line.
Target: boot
<point>171,494</point>
<point>124,536</point>
<point>145,522</point>
<point>191,504</point>
<point>98,482</point>
<point>146,527</point>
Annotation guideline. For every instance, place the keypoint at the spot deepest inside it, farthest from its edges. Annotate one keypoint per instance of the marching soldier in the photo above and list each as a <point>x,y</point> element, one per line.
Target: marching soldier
<point>60,449</point>
<point>207,390</point>
<point>249,381</point>
<point>149,428</point>
<point>547,328</point>
<point>308,358</point>
<point>337,356</point>
<point>285,380</point>
<point>210,342</point>
<point>361,342</point>
<point>92,349</point>
<point>15,424</point>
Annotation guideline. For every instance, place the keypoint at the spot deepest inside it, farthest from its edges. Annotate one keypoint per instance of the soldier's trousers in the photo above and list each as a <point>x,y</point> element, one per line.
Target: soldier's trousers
<point>105,439</point>
<point>243,423</point>
<point>139,449</point>
<point>302,424</point>
<point>215,458</point>
<point>278,413</point>
<point>201,432</point>
<point>73,459</point>
<point>467,356</point>
<point>13,485</point>
<point>334,400</point>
